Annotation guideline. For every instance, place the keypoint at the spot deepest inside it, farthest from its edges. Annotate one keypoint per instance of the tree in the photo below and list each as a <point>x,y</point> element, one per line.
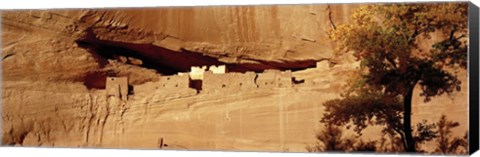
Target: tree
<point>331,138</point>
<point>424,132</point>
<point>373,108</point>
<point>387,40</point>
<point>445,144</point>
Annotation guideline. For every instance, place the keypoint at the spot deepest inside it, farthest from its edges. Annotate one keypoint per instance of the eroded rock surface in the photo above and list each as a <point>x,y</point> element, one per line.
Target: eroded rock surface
<point>55,64</point>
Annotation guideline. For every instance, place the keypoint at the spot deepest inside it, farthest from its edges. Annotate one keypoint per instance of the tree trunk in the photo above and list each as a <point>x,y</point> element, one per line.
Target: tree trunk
<point>407,121</point>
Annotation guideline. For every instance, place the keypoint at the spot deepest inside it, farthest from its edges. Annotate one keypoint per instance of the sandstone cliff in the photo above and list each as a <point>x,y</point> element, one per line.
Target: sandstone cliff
<point>55,63</point>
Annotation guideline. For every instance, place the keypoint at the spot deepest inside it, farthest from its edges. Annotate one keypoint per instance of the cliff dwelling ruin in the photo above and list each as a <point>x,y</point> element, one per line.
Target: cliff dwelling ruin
<point>169,63</point>
<point>117,87</point>
<point>208,79</point>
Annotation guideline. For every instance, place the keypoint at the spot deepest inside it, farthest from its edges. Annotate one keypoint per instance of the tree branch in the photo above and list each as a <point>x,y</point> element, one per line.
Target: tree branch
<point>452,36</point>
<point>391,61</point>
<point>412,37</point>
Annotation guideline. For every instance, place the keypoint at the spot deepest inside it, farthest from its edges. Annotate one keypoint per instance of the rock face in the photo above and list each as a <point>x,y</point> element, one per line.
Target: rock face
<point>56,63</point>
